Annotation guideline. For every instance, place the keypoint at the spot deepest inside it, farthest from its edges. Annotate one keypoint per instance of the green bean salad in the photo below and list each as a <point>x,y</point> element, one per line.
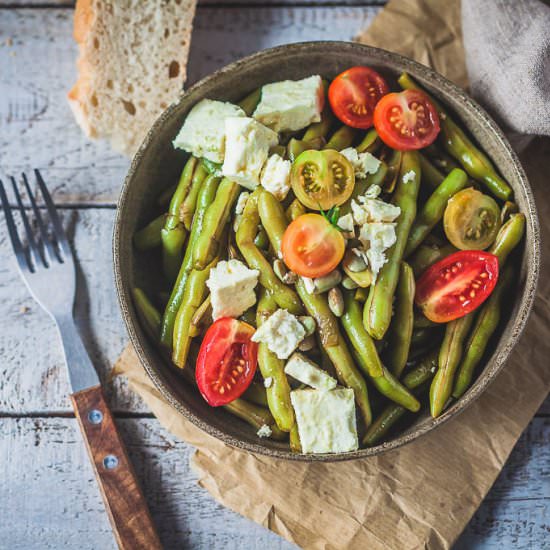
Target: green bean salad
<point>334,256</point>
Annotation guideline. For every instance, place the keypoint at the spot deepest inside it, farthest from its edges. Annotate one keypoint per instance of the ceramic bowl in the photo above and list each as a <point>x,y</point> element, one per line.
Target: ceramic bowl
<point>157,165</point>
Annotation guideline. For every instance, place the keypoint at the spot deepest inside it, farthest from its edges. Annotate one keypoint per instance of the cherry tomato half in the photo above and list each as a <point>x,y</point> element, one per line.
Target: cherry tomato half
<point>322,179</point>
<point>353,95</point>
<point>312,246</point>
<point>456,285</point>
<point>226,362</point>
<point>406,120</point>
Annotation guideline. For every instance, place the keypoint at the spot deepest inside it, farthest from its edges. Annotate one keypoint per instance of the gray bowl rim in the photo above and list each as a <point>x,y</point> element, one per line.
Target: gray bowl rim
<point>496,361</point>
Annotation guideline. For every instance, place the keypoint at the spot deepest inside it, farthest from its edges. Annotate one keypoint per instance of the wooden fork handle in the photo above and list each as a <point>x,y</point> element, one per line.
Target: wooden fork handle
<point>130,518</point>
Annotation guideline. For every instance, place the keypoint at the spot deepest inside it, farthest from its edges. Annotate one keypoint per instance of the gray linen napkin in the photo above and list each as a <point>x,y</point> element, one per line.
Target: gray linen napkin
<point>507,45</point>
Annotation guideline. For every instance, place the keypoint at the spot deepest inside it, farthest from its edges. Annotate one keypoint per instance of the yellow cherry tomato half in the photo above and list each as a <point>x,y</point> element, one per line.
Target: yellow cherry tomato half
<point>312,246</point>
<point>322,179</point>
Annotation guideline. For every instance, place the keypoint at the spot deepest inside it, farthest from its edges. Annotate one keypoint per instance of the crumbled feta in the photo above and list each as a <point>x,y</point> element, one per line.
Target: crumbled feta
<point>264,431</point>
<point>203,132</point>
<point>241,203</point>
<point>247,144</point>
<point>268,382</point>
<point>345,222</point>
<point>326,420</point>
<point>276,176</point>
<point>309,285</point>
<point>409,176</point>
<point>376,238</point>
<point>231,286</point>
<point>373,210</point>
<point>282,333</point>
<point>363,163</point>
<point>373,191</point>
<point>307,372</point>
<point>291,105</point>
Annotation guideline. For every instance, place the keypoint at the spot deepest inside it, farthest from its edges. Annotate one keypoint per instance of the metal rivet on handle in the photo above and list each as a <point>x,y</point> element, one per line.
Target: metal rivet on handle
<point>110,462</point>
<point>95,416</point>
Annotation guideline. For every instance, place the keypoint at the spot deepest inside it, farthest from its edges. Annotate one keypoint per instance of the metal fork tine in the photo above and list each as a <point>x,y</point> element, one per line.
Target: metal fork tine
<point>14,237</point>
<point>49,251</point>
<point>35,253</point>
<point>58,228</point>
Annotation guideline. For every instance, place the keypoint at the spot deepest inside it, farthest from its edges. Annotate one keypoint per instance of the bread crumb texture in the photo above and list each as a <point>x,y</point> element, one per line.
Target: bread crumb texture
<point>131,65</point>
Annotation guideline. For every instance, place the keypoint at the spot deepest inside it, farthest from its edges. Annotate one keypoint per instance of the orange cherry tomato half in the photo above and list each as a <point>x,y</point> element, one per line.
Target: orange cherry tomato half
<point>456,285</point>
<point>312,246</point>
<point>406,120</point>
<point>226,362</point>
<point>353,95</point>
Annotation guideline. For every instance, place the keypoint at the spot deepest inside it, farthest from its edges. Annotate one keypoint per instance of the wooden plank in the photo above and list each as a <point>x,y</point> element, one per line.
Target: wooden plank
<point>32,373</point>
<point>36,126</point>
<point>50,497</point>
<point>45,457</point>
<point>215,3</point>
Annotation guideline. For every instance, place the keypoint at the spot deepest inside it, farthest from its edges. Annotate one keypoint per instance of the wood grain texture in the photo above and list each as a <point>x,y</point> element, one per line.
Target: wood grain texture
<point>124,501</point>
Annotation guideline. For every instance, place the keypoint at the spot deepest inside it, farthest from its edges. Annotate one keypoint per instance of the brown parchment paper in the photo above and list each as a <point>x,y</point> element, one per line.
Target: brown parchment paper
<point>424,494</point>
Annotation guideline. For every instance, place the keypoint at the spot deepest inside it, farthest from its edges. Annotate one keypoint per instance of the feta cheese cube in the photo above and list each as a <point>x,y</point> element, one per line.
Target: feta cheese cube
<point>231,286</point>
<point>373,191</point>
<point>268,382</point>
<point>326,420</point>
<point>282,333</point>
<point>276,176</point>
<point>203,132</point>
<point>307,372</point>
<point>247,144</point>
<point>373,210</point>
<point>309,284</point>
<point>345,222</point>
<point>376,238</point>
<point>291,105</point>
<point>264,431</point>
<point>409,176</point>
<point>363,163</point>
<point>241,203</point>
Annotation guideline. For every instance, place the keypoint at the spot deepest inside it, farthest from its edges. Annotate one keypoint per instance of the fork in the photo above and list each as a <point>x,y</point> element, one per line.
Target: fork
<point>47,267</point>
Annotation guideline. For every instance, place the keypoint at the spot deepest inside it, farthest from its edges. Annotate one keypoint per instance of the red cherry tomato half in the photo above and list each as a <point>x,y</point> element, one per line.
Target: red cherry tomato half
<point>353,95</point>
<point>226,362</point>
<point>456,285</point>
<point>406,120</point>
<point>312,246</point>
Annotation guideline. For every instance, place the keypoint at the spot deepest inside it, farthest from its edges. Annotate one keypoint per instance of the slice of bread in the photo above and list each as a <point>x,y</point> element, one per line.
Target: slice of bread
<point>132,65</point>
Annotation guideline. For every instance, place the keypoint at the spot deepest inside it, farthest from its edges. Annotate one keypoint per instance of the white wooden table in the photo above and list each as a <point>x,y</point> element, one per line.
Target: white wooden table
<point>48,497</point>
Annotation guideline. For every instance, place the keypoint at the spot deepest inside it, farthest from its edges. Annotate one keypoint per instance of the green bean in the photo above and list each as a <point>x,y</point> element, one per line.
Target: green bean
<point>378,307</point>
<point>414,380</point>
<point>320,129</point>
<point>255,393</point>
<point>149,237</point>
<point>295,209</point>
<point>394,169</point>
<point>432,211</point>
<point>421,336</point>
<point>284,296</point>
<point>508,237</point>
<point>295,147</point>
<point>371,143</point>
<point>256,416</point>
<point>261,240</point>
<point>341,139</point>
<point>278,392</point>
<point>508,209</point>
<point>402,323</point>
<point>205,198</point>
<point>190,202</point>
<point>295,444</point>
<point>368,358</point>
<point>249,316</point>
<point>193,296</point>
<point>425,256</point>
<point>213,168</point>
<point>148,314</point>
<point>421,321</point>
<point>442,160</point>
<point>215,220</point>
<point>361,295</point>
<point>430,174</point>
<point>449,358</point>
<point>473,160</point>
<point>173,233</point>
<point>484,327</point>
<point>273,219</point>
<point>250,102</point>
